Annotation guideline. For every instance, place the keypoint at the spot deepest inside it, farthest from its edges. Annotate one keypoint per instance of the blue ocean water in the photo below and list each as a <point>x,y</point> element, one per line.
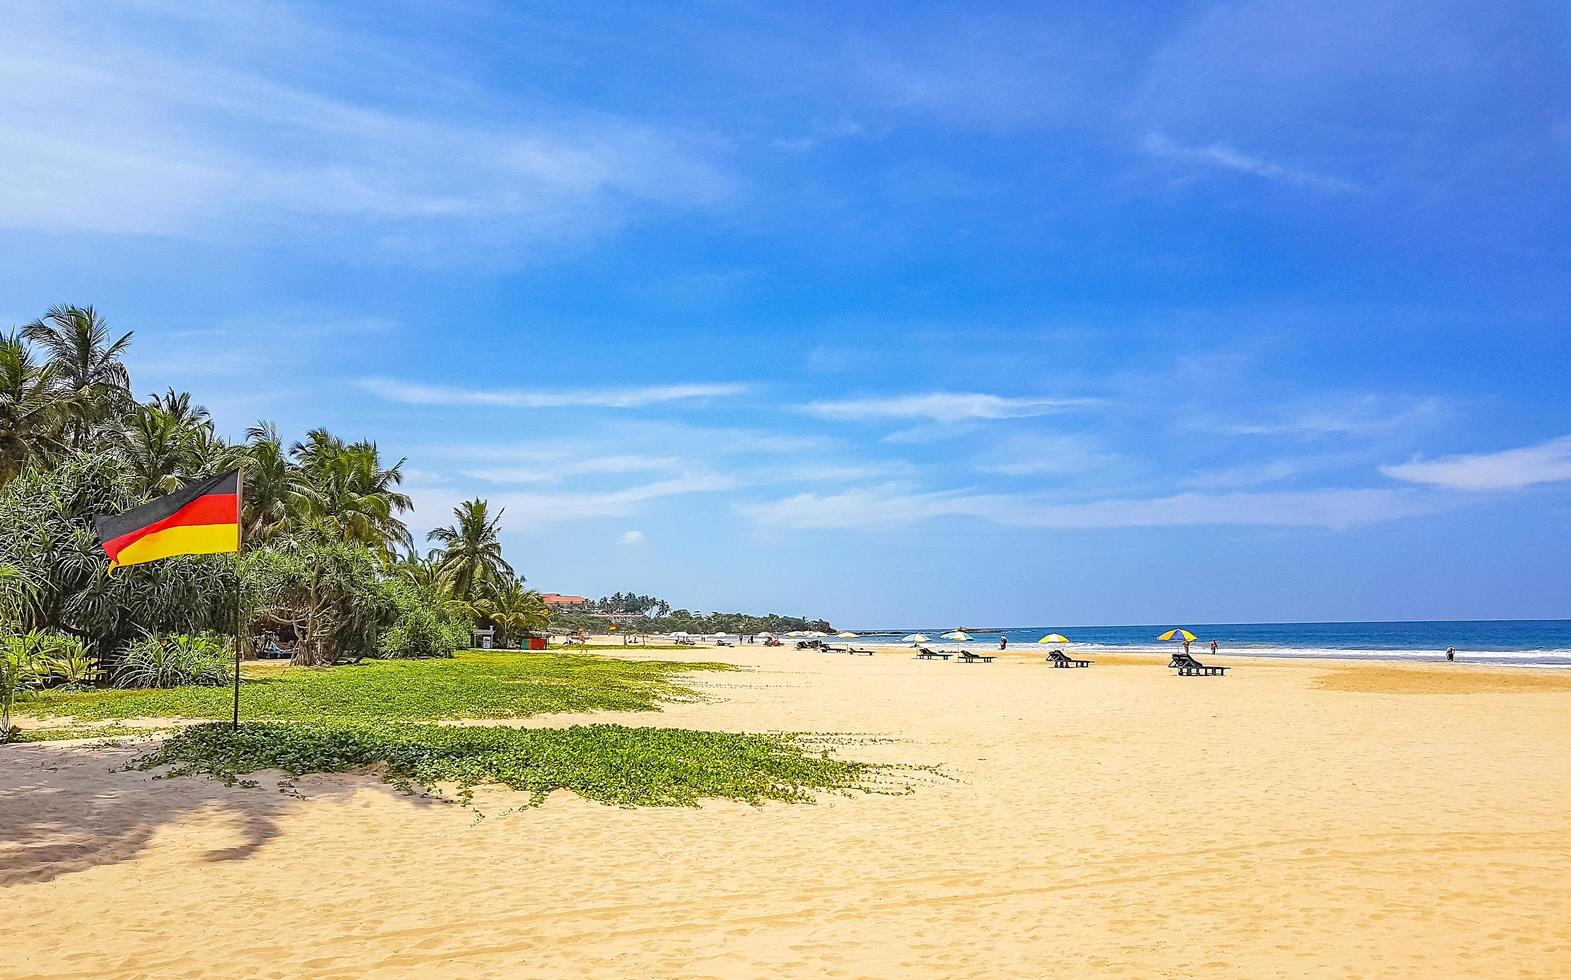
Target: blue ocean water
<point>1540,642</point>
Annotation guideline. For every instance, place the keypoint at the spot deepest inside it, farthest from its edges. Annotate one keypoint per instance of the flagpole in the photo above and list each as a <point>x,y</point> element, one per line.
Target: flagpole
<point>239,591</point>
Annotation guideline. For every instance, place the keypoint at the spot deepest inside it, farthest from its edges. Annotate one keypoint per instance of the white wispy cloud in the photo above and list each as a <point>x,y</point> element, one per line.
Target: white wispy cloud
<point>528,510</point>
<point>549,469</point>
<point>632,537</point>
<point>878,507</point>
<point>162,133</point>
<point>1511,469</point>
<point>1044,454</point>
<point>1225,157</point>
<point>415,393</point>
<point>1330,415</point>
<point>944,406</point>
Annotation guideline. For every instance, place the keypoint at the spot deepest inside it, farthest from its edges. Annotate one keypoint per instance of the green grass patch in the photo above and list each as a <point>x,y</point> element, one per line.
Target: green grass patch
<point>609,763</point>
<point>480,684</point>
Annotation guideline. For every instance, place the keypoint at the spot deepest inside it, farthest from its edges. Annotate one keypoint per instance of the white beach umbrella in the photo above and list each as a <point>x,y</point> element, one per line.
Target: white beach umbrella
<point>959,636</point>
<point>846,635</point>
<point>914,638</point>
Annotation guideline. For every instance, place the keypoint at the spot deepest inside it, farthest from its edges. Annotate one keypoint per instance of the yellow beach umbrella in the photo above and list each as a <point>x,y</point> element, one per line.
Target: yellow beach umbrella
<point>1174,634</point>
<point>1054,638</point>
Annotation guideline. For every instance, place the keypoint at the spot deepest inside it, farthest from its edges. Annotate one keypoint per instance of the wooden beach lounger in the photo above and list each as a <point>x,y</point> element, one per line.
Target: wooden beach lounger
<point>1188,666</point>
<point>859,651</point>
<point>923,653</point>
<point>1058,659</point>
<point>967,657</point>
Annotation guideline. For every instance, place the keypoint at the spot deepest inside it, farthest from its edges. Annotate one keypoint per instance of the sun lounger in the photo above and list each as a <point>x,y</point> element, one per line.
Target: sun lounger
<point>1188,666</point>
<point>967,657</point>
<point>859,651</point>
<point>1058,659</point>
<point>923,653</point>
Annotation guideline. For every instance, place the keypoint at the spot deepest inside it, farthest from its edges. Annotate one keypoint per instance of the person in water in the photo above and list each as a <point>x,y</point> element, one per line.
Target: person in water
<point>1213,648</point>
<point>1450,653</point>
<point>1003,642</point>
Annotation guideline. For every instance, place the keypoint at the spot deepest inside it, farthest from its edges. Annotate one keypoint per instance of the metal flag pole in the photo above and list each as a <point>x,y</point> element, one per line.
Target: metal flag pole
<point>239,591</point>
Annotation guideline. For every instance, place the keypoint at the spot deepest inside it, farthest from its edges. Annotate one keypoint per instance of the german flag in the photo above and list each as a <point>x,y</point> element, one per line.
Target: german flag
<point>202,519</point>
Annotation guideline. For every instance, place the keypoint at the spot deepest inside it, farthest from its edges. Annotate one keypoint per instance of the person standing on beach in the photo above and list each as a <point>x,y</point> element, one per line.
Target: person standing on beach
<point>1003,642</point>
<point>1186,648</point>
<point>1450,654</point>
<point>1213,648</point>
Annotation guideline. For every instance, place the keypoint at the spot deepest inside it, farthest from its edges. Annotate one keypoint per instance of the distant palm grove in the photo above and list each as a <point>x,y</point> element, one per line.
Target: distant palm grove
<point>330,571</point>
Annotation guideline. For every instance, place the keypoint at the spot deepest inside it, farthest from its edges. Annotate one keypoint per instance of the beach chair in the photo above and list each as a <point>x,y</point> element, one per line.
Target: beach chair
<point>826,648</point>
<point>1188,666</point>
<point>967,657</point>
<point>1058,659</point>
<point>859,651</point>
<point>923,653</point>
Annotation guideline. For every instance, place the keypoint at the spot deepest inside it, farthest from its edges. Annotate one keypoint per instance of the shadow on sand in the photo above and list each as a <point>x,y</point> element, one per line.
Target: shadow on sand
<point>69,808</point>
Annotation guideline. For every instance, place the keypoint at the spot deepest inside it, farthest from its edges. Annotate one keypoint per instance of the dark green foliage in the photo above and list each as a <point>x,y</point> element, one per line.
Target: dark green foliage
<point>609,763</point>
<point>46,530</point>
<point>658,617</point>
<point>327,594</point>
<point>474,684</point>
<point>424,624</point>
<point>174,660</point>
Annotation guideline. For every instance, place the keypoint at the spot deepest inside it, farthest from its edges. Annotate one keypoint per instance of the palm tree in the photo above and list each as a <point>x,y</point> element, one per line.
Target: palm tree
<point>93,380</point>
<point>513,610</point>
<point>351,495</point>
<point>276,491</point>
<point>423,574</point>
<point>30,407</point>
<point>169,440</point>
<point>470,553</point>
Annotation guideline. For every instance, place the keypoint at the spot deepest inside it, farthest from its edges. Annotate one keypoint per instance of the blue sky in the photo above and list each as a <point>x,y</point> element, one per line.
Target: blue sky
<point>996,314</point>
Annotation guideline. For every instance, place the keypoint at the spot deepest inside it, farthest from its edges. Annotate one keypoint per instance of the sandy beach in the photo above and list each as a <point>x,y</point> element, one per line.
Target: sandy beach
<point>1292,818</point>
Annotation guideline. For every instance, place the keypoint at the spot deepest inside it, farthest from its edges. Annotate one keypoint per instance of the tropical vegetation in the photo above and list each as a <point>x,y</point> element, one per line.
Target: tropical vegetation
<point>609,763</point>
<point>329,575</point>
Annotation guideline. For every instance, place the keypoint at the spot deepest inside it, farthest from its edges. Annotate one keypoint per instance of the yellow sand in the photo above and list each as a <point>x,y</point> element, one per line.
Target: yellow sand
<point>1290,819</point>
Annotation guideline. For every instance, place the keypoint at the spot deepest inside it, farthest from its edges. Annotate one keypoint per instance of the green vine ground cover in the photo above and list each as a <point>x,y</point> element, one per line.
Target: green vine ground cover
<point>610,763</point>
<point>474,684</point>
<point>377,716</point>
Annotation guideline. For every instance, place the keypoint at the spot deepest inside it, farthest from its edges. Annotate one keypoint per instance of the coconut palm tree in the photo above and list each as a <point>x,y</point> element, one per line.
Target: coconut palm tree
<point>351,495</point>
<point>169,440</point>
<point>88,367</point>
<point>512,610</point>
<point>276,491</point>
<point>30,407</point>
<point>470,555</point>
<point>420,573</point>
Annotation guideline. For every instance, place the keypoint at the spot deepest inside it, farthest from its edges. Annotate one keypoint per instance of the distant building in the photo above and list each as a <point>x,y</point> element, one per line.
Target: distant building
<point>556,599</point>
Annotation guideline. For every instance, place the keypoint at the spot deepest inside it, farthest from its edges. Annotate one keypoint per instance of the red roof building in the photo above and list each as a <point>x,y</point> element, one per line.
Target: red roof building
<point>557,599</point>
